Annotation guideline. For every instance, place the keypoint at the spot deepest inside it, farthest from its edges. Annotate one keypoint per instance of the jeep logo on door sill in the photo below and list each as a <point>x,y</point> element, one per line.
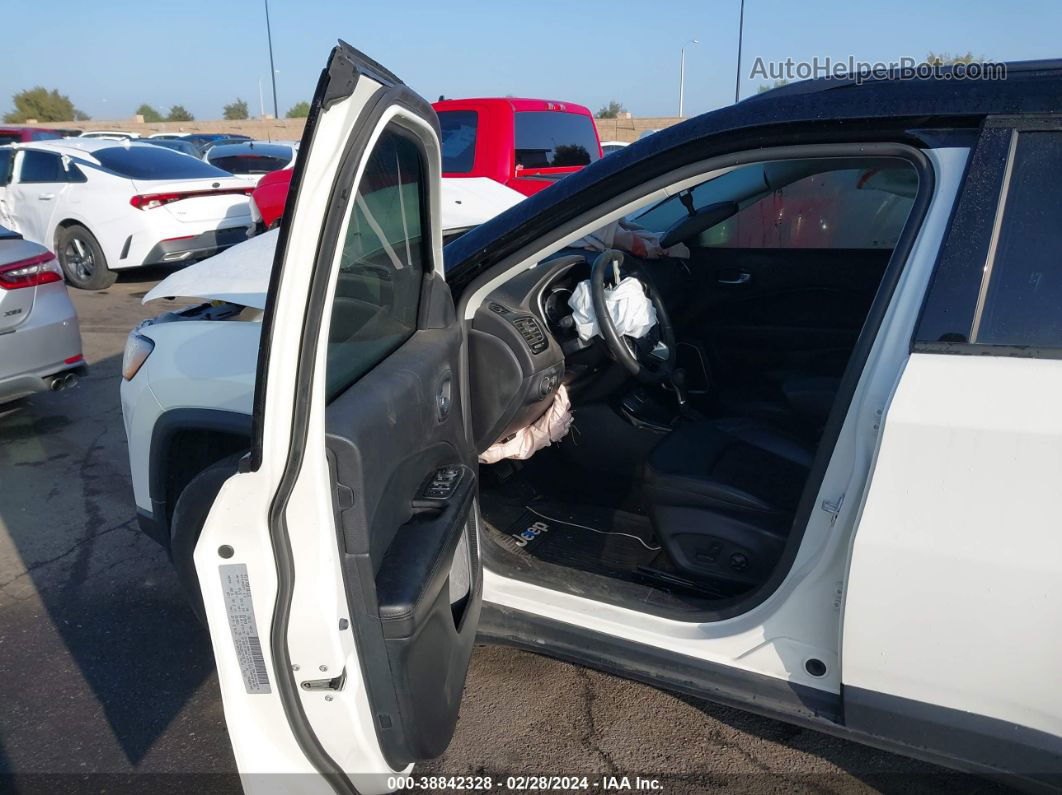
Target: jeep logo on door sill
<point>531,533</point>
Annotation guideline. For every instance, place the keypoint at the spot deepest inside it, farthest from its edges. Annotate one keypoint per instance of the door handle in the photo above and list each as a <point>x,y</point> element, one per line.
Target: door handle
<point>45,197</point>
<point>444,398</point>
<point>741,278</point>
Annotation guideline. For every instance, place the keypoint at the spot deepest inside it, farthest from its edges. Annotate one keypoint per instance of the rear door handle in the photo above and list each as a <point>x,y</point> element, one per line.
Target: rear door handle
<point>45,197</point>
<point>740,278</point>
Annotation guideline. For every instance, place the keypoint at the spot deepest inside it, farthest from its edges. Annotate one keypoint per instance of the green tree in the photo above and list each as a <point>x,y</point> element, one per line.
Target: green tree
<point>178,113</point>
<point>149,113</point>
<point>43,105</point>
<point>237,110</point>
<point>300,110</point>
<point>777,84</point>
<point>611,111</point>
<point>947,59</point>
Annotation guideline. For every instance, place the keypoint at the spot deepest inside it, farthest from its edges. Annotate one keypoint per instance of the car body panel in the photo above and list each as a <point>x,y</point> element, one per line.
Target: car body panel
<point>128,236</point>
<point>39,334</point>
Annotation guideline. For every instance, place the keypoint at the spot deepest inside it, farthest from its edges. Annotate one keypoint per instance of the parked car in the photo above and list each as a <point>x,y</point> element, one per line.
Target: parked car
<point>40,344</point>
<point>106,206</point>
<point>252,159</point>
<point>175,144</point>
<point>527,144</point>
<point>202,140</point>
<point>822,484</point>
<point>10,134</point>
<point>113,135</point>
<point>218,142</point>
<point>608,147</point>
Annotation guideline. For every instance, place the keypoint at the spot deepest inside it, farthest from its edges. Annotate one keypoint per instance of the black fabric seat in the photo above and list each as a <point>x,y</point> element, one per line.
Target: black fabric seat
<point>722,495</point>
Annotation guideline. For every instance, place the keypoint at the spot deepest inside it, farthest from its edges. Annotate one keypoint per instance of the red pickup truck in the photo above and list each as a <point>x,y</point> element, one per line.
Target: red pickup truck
<point>525,144</point>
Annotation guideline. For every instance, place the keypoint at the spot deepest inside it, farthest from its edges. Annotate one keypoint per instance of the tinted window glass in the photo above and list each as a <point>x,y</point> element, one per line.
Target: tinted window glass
<point>458,129</point>
<point>382,262</point>
<point>9,138</point>
<point>547,139</point>
<point>852,208</point>
<point>41,167</point>
<point>814,204</point>
<point>6,158</point>
<point>1023,302</point>
<point>141,161</point>
<point>246,160</point>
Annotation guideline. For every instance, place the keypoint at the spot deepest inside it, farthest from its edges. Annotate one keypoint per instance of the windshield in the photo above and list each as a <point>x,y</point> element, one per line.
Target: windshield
<point>154,162</point>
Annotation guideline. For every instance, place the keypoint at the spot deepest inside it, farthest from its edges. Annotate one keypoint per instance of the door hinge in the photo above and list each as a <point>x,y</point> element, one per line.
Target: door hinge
<point>833,507</point>
<point>335,683</point>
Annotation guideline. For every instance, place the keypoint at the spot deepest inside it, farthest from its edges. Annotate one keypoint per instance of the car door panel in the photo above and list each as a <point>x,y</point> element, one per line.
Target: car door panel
<point>766,310</point>
<point>400,548</point>
<point>366,585</point>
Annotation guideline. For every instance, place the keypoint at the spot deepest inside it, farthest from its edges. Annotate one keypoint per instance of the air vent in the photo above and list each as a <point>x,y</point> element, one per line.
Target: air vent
<point>532,333</point>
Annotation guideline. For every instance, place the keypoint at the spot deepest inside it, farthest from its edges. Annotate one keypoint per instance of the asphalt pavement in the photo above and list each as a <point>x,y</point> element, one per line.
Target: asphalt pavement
<point>107,681</point>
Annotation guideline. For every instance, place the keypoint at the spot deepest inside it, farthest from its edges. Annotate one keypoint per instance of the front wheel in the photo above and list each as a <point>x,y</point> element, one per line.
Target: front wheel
<point>82,259</point>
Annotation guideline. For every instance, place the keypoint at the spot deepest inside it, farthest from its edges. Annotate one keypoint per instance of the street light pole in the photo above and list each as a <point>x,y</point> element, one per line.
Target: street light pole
<point>682,74</point>
<point>272,69</point>
<point>737,73</point>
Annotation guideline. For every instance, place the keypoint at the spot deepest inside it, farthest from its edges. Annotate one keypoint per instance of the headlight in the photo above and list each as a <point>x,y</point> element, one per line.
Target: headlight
<point>137,349</point>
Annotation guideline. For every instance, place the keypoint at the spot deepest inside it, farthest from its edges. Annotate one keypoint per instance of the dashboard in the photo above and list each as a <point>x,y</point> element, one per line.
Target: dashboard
<point>523,344</point>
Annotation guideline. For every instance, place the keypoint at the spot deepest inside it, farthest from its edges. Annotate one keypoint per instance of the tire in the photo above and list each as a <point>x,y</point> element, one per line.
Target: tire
<point>189,516</point>
<point>82,259</point>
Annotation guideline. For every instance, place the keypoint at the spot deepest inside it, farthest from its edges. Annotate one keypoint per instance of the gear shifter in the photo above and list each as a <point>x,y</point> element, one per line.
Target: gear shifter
<point>678,384</point>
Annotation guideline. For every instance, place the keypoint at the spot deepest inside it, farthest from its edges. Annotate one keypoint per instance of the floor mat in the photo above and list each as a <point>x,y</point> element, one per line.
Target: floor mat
<point>596,540</point>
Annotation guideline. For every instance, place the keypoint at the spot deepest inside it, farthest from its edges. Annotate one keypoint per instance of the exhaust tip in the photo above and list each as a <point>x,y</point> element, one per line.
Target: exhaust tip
<point>70,380</point>
<point>56,383</point>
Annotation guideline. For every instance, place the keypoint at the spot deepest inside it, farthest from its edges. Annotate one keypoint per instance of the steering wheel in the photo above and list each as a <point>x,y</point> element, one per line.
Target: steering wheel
<point>691,225</point>
<point>651,366</point>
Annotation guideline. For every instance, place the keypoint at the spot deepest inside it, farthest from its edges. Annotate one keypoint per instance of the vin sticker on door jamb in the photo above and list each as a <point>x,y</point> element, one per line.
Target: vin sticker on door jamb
<point>236,587</point>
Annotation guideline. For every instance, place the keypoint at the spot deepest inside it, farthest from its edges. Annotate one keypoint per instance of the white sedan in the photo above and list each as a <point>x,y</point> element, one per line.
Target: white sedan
<point>106,206</point>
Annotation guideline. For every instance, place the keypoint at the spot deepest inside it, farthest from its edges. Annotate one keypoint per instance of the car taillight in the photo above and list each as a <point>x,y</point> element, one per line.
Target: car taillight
<point>42,269</point>
<point>149,201</point>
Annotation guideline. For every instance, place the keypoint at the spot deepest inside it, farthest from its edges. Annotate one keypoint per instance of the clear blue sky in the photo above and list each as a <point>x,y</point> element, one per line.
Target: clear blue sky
<point>111,55</point>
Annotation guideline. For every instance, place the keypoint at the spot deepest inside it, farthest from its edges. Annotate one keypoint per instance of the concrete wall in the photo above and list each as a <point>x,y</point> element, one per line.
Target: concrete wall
<point>291,129</point>
<point>261,129</point>
<point>630,129</point>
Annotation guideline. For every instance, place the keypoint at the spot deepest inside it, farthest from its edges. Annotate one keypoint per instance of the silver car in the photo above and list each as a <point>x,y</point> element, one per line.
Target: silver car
<point>40,343</point>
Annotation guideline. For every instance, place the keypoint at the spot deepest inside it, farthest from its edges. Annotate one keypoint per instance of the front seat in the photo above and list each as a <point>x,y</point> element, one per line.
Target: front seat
<point>722,495</point>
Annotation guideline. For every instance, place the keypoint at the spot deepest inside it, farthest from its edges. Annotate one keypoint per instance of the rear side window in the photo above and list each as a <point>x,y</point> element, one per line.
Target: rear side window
<point>45,167</point>
<point>154,162</point>
<point>458,129</point>
<point>382,262</point>
<point>550,139</point>
<point>1021,295</point>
